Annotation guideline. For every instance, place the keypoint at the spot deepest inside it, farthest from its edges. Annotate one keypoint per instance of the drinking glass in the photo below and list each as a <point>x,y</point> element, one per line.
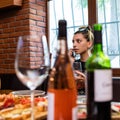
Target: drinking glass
<point>32,63</point>
<point>77,66</point>
<point>79,84</point>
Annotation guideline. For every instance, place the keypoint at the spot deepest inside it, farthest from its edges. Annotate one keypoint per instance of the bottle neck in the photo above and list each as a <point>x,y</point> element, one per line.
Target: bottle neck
<point>62,42</point>
<point>98,41</point>
<point>98,48</point>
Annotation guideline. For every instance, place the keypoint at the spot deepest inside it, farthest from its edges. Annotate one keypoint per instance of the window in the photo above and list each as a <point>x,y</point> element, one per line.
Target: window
<point>109,16</point>
<point>76,14</point>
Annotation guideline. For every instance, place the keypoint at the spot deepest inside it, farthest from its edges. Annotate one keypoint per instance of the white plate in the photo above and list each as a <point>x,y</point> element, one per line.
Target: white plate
<point>28,92</point>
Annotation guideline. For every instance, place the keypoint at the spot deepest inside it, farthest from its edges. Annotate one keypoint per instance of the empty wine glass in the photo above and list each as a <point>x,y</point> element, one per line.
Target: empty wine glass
<point>32,63</point>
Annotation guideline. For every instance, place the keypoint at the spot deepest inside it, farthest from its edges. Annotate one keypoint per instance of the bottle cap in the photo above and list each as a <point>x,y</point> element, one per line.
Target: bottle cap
<point>62,31</point>
<point>97,27</point>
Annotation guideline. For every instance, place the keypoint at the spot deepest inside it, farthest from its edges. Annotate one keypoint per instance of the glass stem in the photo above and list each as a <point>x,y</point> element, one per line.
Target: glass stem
<point>32,106</point>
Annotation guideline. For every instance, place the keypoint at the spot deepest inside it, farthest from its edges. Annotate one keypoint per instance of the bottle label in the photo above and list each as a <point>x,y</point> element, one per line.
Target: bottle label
<point>102,85</point>
<point>50,106</point>
<point>61,105</point>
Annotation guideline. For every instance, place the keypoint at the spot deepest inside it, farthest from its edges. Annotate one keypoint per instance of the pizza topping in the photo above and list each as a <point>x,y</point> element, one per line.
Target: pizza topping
<point>13,106</point>
<point>8,103</point>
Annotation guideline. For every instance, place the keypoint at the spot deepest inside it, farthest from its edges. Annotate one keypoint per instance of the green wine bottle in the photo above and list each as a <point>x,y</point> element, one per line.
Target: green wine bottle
<point>99,81</point>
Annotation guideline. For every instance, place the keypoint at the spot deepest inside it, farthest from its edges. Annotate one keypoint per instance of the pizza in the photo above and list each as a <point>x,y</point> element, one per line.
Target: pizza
<point>13,107</point>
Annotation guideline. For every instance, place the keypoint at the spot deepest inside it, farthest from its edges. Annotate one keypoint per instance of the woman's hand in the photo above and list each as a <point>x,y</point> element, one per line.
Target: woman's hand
<point>79,75</point>
<point>80,79</point>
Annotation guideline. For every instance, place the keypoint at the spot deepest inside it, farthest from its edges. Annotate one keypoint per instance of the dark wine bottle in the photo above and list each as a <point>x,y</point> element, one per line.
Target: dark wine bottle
<point>62,93</point>
<point>99,81</point>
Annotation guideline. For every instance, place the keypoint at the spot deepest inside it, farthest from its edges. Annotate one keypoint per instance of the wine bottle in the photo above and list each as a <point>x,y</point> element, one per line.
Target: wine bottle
<point>62,93</point>
<point>99,81</point>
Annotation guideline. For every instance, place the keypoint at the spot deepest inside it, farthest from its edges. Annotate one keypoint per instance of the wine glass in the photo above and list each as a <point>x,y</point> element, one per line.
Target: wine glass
<point>79,84</point>
<point>32,63</point>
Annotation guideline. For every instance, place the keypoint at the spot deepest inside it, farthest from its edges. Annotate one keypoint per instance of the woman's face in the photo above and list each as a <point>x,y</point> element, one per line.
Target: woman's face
<point>80,44</point>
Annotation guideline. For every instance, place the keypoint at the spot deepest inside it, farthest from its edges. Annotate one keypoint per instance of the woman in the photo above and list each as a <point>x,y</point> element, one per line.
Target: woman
<point>82,45</point>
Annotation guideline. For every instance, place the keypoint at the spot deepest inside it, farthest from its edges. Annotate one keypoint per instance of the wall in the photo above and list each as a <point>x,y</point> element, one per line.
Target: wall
<point>28,19</point>
<point>14,22</point>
